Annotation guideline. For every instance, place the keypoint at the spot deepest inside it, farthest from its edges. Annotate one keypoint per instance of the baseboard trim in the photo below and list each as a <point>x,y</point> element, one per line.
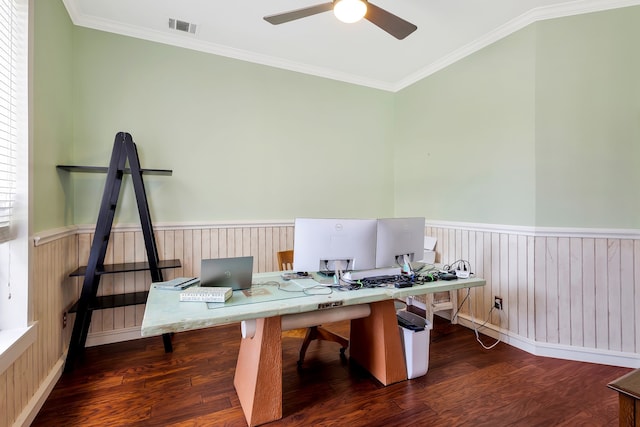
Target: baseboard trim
<point>557,351</point>
<point>30,411</point>
<point>110,337</point>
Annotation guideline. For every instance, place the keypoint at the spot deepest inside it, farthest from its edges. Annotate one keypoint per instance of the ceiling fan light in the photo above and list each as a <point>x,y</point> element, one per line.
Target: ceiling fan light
<point>349,11</point>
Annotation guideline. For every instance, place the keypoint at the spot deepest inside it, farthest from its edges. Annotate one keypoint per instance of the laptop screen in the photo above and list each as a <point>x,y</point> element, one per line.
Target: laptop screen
<point>234,272</point>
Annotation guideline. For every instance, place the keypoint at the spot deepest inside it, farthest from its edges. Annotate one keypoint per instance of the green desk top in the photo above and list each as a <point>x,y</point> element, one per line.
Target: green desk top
<point>270,296</point>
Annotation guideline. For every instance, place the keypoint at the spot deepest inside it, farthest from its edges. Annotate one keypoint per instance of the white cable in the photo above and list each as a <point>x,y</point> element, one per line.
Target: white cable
<point>475,329</point>
<point>339,268</point>
<point>406,265</point>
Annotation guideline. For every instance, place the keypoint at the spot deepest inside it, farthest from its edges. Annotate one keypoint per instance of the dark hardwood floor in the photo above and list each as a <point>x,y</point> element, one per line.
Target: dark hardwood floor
<point>136,384</point>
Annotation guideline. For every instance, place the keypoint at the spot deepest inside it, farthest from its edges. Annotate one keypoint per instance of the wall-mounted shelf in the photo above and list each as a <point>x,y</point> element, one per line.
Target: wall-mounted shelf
<point>104,169</point>
<point>127,267</point>
<point>112,301</point>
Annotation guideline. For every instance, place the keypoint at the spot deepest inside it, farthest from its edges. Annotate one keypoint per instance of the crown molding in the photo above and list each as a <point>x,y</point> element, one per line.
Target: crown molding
<point>535,15</point>
<point>188,42</point>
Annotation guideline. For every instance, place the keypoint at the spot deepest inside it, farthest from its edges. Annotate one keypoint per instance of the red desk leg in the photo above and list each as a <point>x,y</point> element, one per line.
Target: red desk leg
<point>258,377</point>
<point>375,344</point>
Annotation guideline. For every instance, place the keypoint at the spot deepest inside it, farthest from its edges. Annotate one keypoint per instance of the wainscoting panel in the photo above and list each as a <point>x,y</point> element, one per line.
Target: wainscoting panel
<point>50,294</point>
<point>190,246</point>
<point>558,289</point>
<point>568,292</point>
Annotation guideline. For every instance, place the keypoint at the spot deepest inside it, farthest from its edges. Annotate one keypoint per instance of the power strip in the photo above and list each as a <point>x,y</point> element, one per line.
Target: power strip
<point>462,274</point>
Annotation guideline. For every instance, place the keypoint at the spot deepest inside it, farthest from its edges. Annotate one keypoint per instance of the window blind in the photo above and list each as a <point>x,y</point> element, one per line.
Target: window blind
<point>9,45</point>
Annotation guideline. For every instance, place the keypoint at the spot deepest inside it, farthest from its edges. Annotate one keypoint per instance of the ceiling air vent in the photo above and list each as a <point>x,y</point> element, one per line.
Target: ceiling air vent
<point>187,27</point>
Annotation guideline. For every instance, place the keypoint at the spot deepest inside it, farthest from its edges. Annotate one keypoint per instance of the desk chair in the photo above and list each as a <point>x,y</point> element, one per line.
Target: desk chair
<point>285,262</point>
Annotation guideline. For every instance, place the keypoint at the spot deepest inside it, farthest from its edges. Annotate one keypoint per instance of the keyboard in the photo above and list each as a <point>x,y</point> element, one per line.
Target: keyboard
<point>207,294</point>
<point>366,274</point>
<point>399,281</point>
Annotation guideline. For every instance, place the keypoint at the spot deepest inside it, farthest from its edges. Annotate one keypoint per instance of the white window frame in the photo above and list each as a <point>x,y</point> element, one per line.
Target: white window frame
<point>16,333</point>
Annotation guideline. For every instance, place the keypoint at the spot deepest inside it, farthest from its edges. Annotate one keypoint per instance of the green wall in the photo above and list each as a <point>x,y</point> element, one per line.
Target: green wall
<point>52,115</point>
<point>538,129</point>
<point>588,120</point>
<point>245,141</point>
<point>465,146</point>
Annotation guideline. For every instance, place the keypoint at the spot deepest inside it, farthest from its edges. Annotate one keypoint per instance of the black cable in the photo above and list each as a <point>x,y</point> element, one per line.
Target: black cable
<point>459,264</point>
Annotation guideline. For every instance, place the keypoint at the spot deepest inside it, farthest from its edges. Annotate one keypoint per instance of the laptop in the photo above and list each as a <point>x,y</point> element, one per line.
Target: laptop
<point>234,273</point>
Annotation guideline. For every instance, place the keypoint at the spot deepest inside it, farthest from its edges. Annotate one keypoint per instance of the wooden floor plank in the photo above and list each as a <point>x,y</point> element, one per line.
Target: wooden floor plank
<point>135,383</point>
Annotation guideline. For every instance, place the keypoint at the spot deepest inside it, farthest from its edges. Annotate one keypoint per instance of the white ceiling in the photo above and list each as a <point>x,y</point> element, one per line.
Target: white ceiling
<point>359,53</point>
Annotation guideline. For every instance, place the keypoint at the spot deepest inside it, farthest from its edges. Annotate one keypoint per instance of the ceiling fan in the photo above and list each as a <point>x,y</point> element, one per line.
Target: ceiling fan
<point>351,11</point>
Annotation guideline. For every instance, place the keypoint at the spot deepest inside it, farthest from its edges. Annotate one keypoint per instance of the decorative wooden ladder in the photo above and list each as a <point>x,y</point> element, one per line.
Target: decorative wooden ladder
<point>123,148</point>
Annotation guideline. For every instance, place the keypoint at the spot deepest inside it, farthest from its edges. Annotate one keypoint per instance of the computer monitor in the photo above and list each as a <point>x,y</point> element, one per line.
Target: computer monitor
<point>400,241</point>
<point>324,244</point>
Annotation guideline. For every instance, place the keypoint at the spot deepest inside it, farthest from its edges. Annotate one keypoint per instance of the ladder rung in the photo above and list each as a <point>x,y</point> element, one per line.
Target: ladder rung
<point>104,169</point>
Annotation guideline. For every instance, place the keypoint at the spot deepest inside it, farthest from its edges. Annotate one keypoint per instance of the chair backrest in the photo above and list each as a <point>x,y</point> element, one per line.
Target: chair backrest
<point>285,260</point>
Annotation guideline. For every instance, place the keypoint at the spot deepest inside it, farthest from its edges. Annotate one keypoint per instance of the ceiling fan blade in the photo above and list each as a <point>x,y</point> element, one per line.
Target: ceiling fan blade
<point>281,18</point>
<point>392,24</point>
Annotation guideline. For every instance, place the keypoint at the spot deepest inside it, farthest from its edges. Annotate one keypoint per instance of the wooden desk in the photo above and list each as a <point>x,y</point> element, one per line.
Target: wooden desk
<point>628,388</point>
<point>374,342</point>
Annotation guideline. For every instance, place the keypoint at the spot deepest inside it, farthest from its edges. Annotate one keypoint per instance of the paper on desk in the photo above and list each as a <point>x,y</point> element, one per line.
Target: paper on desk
<point>430,243</point>
<point>177,284</point>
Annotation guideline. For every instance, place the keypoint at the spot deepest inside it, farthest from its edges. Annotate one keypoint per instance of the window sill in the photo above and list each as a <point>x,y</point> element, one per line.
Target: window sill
<point>14,342</point>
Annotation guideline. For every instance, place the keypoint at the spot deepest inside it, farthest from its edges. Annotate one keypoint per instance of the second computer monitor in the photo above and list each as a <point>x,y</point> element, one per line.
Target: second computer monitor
<point>398,237</point>
<point>323,244</point>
